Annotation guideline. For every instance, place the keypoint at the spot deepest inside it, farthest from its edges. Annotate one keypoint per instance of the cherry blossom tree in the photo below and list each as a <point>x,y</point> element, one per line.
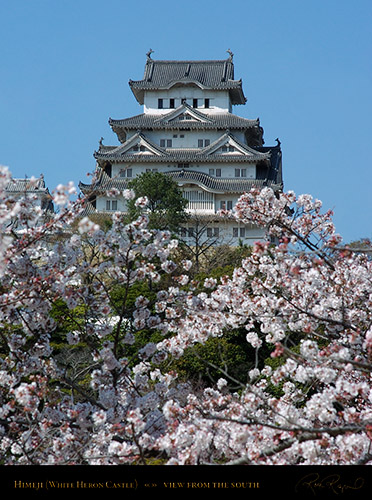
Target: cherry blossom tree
<point>308,300</point>
<point>312,303</point>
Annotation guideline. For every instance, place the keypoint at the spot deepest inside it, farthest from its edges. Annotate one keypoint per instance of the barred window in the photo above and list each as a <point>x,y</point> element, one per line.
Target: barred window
<point>111,205</point>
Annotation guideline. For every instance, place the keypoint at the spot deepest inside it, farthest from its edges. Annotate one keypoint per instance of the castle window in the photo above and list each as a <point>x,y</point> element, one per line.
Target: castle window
<point>194,103</point>
<point>165,143</point>
<point>213,231</point>
<point>203,143</point>
<point>226,205</point>
<point>240,172</point>
<point>216,172</point>
<point>160,103</point>
<point>239,232</point>
<point>111,205</point>
<point>183,100</point>
<point>206,103</point>
<point>126,172</point>
<point>171,103</point>
<point>183,165</point>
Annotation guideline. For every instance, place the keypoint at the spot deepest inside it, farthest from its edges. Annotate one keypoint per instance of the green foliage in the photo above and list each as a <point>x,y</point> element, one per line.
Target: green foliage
<point>206,363</point>
<point>123,299</point>
<point>66,320</point>
<point>229,354</point>
<point>166,204</point>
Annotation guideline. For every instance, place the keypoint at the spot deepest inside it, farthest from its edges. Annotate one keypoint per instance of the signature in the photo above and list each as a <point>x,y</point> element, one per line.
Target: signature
<point>315,483</point>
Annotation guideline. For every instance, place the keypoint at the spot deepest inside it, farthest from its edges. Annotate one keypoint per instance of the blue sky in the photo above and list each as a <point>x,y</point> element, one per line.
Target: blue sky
<point>305,65</point>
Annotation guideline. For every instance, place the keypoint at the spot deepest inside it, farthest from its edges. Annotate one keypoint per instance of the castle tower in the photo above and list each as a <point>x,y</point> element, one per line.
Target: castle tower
<point>187,130</point>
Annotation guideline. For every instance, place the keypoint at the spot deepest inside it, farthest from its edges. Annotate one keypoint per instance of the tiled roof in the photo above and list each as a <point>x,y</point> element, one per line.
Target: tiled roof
<point>217,74</point>
<point>178,155</point>
<point>217,121</point>
<point>105,183</point>
<point>27,186</point>
<point>32,186</point>
<point>218,184</point>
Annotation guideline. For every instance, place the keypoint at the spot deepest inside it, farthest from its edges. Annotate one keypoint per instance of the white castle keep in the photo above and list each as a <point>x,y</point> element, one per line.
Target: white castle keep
<point>187,130</point>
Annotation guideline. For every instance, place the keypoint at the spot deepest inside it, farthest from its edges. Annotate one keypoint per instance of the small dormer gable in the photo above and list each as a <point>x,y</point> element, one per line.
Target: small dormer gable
<point>138,144</point>
<point>227,144</point>
<point>184,113</point>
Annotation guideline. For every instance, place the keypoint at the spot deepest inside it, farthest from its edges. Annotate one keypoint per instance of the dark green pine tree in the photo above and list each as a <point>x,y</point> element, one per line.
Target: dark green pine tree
<point>166,205</point>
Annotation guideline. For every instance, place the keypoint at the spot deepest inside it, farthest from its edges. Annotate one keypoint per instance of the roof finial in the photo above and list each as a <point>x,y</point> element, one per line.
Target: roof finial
<point>231,53</point>
<point>148,54</point>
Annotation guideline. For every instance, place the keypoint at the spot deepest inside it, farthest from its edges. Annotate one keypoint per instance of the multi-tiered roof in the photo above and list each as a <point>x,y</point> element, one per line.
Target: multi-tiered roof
<point>208,75</point>
<point>137,148</point>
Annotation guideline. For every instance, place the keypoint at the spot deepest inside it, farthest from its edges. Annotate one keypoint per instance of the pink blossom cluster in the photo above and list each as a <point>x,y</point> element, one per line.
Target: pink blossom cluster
<point>304,298</point>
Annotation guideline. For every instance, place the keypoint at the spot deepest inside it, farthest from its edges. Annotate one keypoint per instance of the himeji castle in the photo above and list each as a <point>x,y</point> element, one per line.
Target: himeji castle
<point>187,130</point>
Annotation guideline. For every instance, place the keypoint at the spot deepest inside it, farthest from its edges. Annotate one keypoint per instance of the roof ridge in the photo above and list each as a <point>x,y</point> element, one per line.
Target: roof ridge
<point>190,61</point>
